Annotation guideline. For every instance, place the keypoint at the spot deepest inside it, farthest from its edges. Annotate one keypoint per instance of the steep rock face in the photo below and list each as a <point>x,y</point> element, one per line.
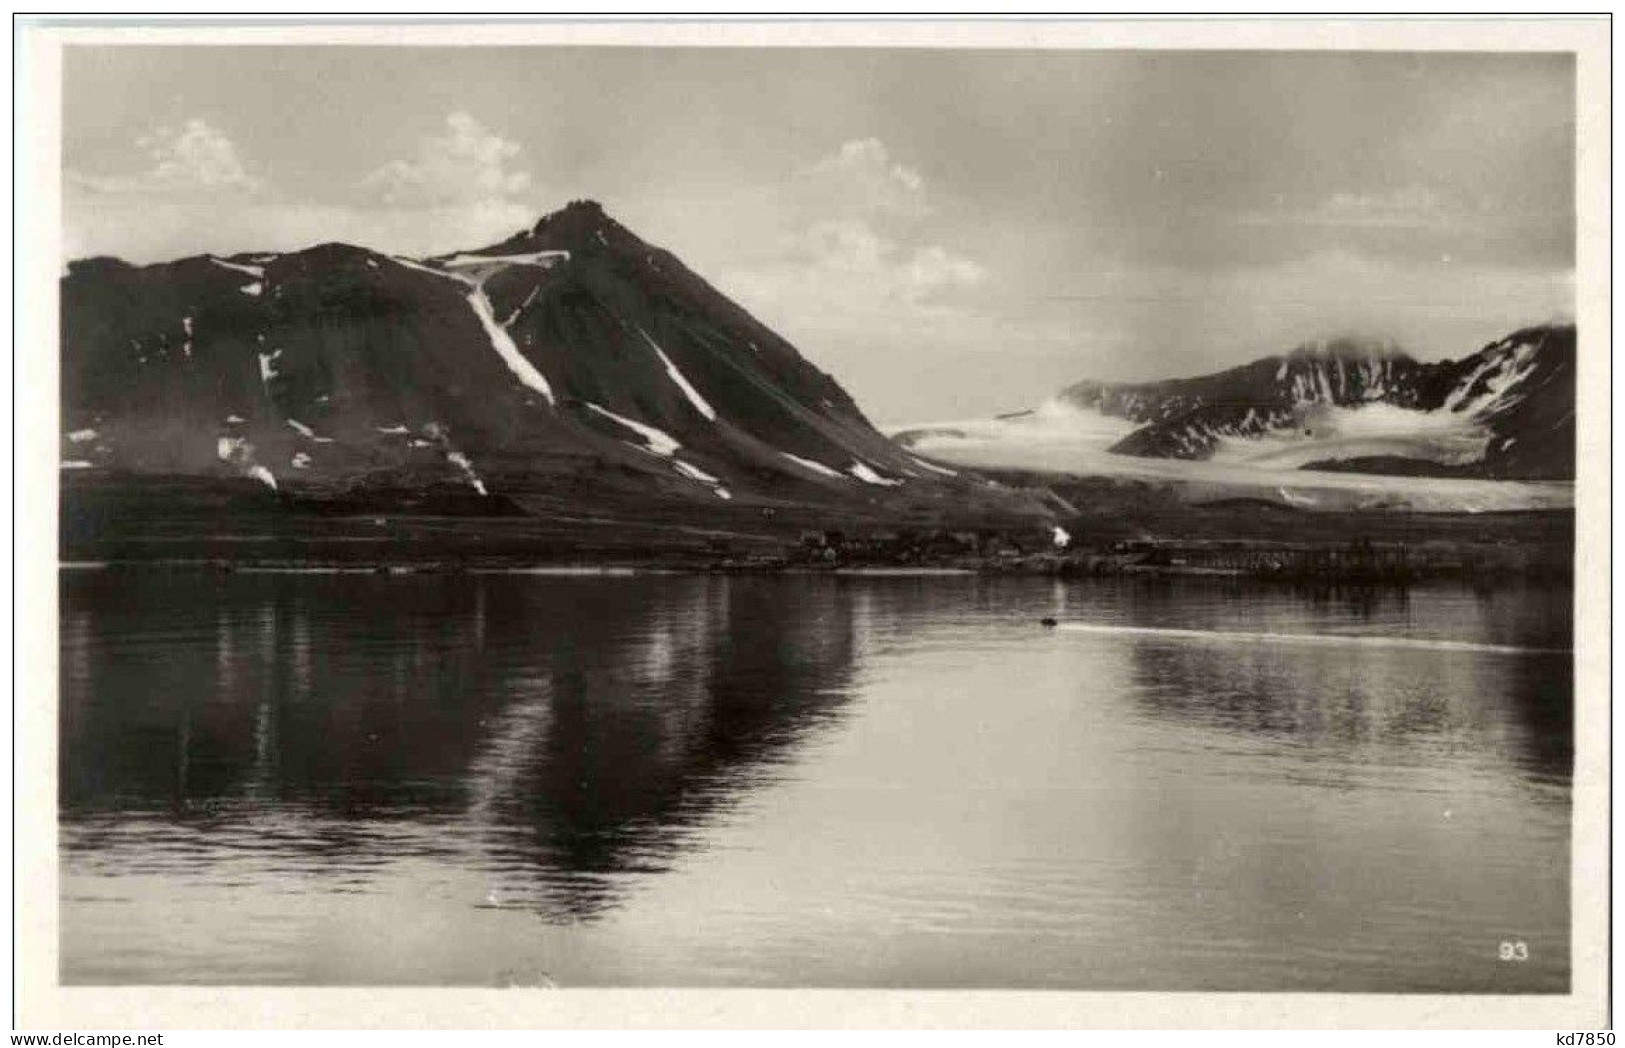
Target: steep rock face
<point>569,356</point>
<point>1508,409</point>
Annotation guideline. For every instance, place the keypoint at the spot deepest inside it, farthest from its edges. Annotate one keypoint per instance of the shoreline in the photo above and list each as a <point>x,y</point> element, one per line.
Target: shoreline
<point>1075,568</point>
<point>1108,529</point>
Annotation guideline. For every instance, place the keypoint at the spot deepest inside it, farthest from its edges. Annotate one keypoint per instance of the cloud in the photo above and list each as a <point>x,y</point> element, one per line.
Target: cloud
<point>847,258</point>
<point>192,159</point>
<point>860,276</point>
<point>469,164</point>
<point>460,188</point>
<point>861,178</point>
<point>854,231</point>
<point>935,267</point>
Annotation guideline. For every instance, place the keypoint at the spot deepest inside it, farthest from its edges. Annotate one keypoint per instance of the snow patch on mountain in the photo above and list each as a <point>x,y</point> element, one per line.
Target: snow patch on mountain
<point>1487,386</point>
<point>660,443</point>
<point>816,467</point>
<point>522,306</point>
<point>503,343</point>
<point>934,469</point>
<point>460,460</point>
<point>431,270</point>
<point>305,431</point>
<point>694,472</point>
<point>257,272</point>
<point>865,473</point>
<point>689,391</point>
<point>238,452</point>
<point>544,259</point>
<point>1326,432</point>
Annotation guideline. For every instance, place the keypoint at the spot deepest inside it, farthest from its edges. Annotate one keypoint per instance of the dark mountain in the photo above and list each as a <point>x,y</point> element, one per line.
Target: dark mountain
<point>571,358</point>
<point>1512,403</point>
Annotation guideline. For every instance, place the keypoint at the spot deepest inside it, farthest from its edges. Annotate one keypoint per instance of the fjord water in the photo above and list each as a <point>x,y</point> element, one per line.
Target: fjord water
<point>507,779</point>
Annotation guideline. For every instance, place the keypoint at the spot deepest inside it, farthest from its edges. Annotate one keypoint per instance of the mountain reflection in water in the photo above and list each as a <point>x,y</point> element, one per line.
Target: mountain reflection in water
<point>331,779</point>
<point>578,727</point>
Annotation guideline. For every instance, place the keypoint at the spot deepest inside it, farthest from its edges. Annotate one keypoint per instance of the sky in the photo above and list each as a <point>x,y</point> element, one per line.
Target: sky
<point>950,233</point>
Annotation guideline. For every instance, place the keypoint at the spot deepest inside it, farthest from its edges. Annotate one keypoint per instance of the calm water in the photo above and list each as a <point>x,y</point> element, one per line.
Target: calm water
<point>899,782</point>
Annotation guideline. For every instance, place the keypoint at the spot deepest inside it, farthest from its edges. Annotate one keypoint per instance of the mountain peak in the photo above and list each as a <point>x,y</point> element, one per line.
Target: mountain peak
<point>575,211</point>
<point>578,226</point>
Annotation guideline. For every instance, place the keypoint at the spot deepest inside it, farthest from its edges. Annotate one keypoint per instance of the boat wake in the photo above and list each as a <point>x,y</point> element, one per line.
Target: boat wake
<point>1335,639</point>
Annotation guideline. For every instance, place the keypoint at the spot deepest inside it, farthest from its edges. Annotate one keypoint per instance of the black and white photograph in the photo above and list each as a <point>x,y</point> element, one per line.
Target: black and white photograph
<point>629,511</point>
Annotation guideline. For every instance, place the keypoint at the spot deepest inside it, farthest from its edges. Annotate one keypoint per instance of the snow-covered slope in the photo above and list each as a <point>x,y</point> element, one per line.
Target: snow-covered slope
<point>570,357</point>
<point>1505,411</point>
<point>1336,425</point>
<point>1060,438</point>
<point>1185,418</point>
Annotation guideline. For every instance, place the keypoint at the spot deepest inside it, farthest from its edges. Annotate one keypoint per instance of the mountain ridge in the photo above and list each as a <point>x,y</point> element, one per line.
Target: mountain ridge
<point>571,356</point>
<point>1507,409</point>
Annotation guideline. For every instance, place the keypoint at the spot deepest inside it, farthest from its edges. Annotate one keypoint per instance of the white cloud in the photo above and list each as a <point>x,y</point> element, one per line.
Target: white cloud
<point>861,178</point>
<point>192,159</point>
<point>845,246</point>
<point>854,231</point>
<point>469,164</point>
<point>850,258</point>
<point>858,278</point>
<point>935,267</point>
<point>459,189</point>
